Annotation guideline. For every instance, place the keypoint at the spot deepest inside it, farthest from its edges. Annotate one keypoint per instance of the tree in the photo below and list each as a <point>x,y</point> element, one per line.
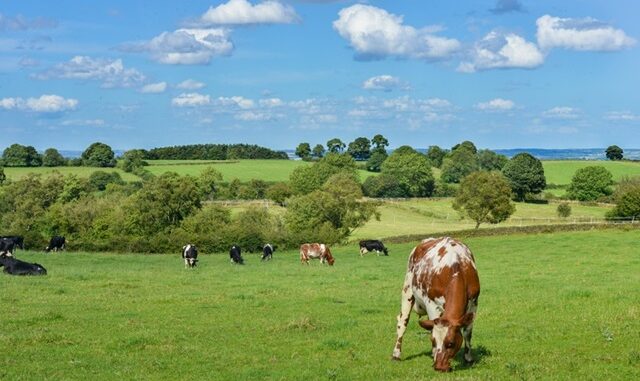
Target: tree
<point>412,170</point>
<point>459,163</point>
<point>360,149</point>
<point>374,164</point>
<point>614,152</point>
<point>484,197</point>
<point>132,160</point>
<point>208,181</point>
<point>564,210</point>
<point>627,205</point>
<point>379,143</point>
<point>303,151</point>
<point>17,155</point>
<point>98,155</point>
<point>306,179</point>
<point>590,183</point>
<point>52,158</point>
<point>99,180</point>
<point>278,193</point>
<point>383,186</point>
<point>491,161</point>
<point>318,151</point>
<point>335,145</point>
<point>467,145</point>
<point>525,174</point>
<point>435,155</point>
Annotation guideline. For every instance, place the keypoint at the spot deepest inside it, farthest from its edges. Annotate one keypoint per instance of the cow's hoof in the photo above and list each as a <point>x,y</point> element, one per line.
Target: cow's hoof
<point>394,358</point>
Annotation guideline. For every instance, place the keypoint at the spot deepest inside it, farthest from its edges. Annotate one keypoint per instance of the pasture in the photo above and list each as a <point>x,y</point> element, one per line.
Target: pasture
<point>560,172</point>
<point>16,173</point>
<point>553,306</point>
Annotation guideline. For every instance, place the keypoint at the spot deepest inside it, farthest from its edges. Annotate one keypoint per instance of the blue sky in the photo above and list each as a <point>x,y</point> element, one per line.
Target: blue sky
<point>504,74</point>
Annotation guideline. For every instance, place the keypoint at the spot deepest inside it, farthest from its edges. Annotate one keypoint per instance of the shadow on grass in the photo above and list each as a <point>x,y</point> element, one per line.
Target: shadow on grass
<point>479,353</point>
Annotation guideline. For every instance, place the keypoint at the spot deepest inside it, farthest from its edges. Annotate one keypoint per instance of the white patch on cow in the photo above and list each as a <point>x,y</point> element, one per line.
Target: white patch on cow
<point>439,333</point>
<point>435,308</point>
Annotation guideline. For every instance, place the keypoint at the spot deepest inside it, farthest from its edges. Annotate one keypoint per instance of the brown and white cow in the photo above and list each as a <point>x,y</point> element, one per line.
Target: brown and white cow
<point>441,282</point>
<point>314,251</point>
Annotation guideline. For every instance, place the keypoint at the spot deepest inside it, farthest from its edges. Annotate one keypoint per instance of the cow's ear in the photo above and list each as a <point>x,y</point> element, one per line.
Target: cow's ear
<point>467,319</point>
<point>427,324</point>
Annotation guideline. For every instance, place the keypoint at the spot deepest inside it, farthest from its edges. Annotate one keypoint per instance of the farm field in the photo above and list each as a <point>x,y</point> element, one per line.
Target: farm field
<point>560,172</point>
<point>552,306</point>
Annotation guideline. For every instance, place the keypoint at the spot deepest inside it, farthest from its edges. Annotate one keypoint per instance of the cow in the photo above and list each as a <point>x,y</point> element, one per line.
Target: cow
<point>56,243</point>
<point>190,255</point>
<point>7,246</point>
<point>441,282</point>
<point>267,252</point>
<point>17,240</point>
<point>15,266</point>
<point>316,250</point>
<point>372,245</point>
<point>235,255</point>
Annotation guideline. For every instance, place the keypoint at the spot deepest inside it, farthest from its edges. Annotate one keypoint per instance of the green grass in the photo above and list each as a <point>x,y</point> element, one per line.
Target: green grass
<point>556,306</point>
<point>16,173</point>
<point>561,171</point>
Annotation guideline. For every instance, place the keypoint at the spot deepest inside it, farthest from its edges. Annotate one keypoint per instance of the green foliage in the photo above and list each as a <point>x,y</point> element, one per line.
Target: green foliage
<point>17,155</point>
<point>303,151</point>
<point>318,151</point>
<point>564,210</point>
<point>74,188</point>
<point>459,163</point>
<point>53,158</point>
<point>525,174</point>
<point>379,143</point>
<point>383,186</point>
<point>590,183</point>
<point>132,160</point>
<point>278,193</point>
<point>98,155</point>
<point>207,182</point>
<point>627,204</point>
<point>484,197</point>
<point>336,145</point>
<point>99,180</point>
<point>435,155</point>
<point>412,170</point>
<point>360,149</point>
<point>213,152</point>
<point>466,145</point>
<point>491,161</point>
<point>445,189</point>
<point>614,153</point>
<point>306,179</point>
<point>3,177</point>
<point>374,164</point>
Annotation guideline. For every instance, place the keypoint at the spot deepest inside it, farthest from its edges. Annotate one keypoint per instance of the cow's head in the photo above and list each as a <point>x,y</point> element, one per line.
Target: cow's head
<point>446,339</point>
<point>329,257</point>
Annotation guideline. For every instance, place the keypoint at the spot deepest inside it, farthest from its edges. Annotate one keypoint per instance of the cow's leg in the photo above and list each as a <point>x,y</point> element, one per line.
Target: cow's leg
<point>466,334</point>
<point>403,318</point>
<point>362,252</point>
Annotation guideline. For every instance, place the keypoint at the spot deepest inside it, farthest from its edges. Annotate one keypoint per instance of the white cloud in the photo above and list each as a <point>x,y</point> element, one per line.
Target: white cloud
<point>622,116</point>
<point>271,102</point>
<point>185,46</point>
<point>44,104</point>
<point>191,100</point>
<point>19,22</point>
<point>580,34</point>
<point>154,88</point>
<point>254,116</point>
<point>111,72</point>
<point>84,122</point>
<point>497,104</point>
<point>238,101</point>
<point>562,113</point>
<point>375,33</point>
<point>242,12</point>
<point>384,83</point>
<point>502,51</point>
<point>190,84</point>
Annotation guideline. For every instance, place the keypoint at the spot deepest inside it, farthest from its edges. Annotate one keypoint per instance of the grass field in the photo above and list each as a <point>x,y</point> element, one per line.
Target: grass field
<point>561,171</point>
<point>15,173</point>
<point>555,306</point>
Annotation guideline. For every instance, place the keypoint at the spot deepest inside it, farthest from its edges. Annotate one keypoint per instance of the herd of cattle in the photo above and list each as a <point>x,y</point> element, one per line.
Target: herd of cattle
<point>441,282</point>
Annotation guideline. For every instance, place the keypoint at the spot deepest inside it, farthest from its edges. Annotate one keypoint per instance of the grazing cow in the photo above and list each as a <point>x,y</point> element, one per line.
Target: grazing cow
<point>267,252</point>
<point>441,282</point>
<point>372,245</point>
<point>17,240</point>
<point>7,246</point>
<point>56,243</point>
<point>190,255</point>
<point>235,255</point>
<point>316,250</point>
<point>15,266</point>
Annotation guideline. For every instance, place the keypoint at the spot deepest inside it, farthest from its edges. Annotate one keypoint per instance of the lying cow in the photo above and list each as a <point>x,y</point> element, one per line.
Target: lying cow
<point>15,266</point>
<point>235,255</point>
<point>190,255</point>
<point>315,251</point>
<point>372,245</point>
<point>441,282</point>
<point>56,243</point>
<point>267,252</point>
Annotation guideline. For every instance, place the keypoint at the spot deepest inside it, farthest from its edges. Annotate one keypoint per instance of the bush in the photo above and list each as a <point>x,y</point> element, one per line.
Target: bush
<point>374,163</point>
<point>412,170</point>
<point>99,180</point>
<point>278,193</point>
<point>564,210</point>
<point>306,179</point>
<point>458,164</point>
<point>383,186</point>
<point>590,183</point>
<point>627,205</point>
<point>53,158</point>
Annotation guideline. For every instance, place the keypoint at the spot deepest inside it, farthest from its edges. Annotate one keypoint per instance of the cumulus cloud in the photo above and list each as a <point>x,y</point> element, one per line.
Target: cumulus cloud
<point>191,100</point>
<point>562,112</point>
<point>502,51</point>
<point>497,104</point>
<point>375,33</point>
<point>586,34</point>
<point>242,12</point>
<point>154,88</point>
<point>84,122</point>
<point>44,104</point>
<point>190,84</point>
<point>185,46</point>
<point>110,72</point>
<point>271,102</point>
<point>257,116</point>
<point>384,83</point>
<point>21,23</point>
<point>622,116</point>
<point>507,6</point>
<point>238,101</point>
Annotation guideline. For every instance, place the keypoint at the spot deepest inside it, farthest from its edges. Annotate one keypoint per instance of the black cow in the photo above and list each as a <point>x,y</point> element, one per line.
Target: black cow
<point>15,266</point>
<point>267,252</point>
<point>7,246</point>
<point>235,256</point>
<point>18,241</point>
<point>56,243</point>
<point>190,255</point>
<point>372,245</point>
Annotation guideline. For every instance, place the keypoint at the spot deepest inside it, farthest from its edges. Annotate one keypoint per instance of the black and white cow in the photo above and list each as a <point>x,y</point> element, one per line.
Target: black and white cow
<point>190,255</point>
<point>372,245</point>
<point>267,252</point>
<point>15,266</point>
<point>235,255</point>
<point>56,243</point>
<point>11,241</point>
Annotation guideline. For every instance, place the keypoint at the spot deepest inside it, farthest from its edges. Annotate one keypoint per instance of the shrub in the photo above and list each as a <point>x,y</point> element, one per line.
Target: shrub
<point>278,193</point>
<point>564,210</point>
<point>383,186</point>
<point>590,183</point>
<point>306,179</point>
<point>99,180</point>
<point>627,205</point>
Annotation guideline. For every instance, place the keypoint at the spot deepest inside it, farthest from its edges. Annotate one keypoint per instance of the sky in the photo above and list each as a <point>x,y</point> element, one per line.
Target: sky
<point>139,74</point>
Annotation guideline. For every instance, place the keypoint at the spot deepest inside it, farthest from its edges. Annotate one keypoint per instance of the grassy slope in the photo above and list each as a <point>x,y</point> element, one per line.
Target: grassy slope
<point>557,306</point>
<point>561,171</point>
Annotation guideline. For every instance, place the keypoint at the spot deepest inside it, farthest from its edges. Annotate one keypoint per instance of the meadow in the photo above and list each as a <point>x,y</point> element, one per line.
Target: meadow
<point>552,306</point>
<point>560,172</point>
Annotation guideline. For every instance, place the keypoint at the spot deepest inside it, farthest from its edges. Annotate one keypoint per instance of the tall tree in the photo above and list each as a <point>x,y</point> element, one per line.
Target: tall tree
<point>435,155</point>
<point>491,161</point>
<point>466,144</point>
<point>318,151</point>
<point>98,155</point>
<point>458,164</point>
<point>303,151</point>
<point>412,170</point>
<point>52,158</point>
<point>614,153</point>
<point>484,197</point>
<point>590,183</point>
<point>360,149</point>
<point>17,155</point>
<point>335,145</point>
<point>379,143</point>
<point>525,174</point>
